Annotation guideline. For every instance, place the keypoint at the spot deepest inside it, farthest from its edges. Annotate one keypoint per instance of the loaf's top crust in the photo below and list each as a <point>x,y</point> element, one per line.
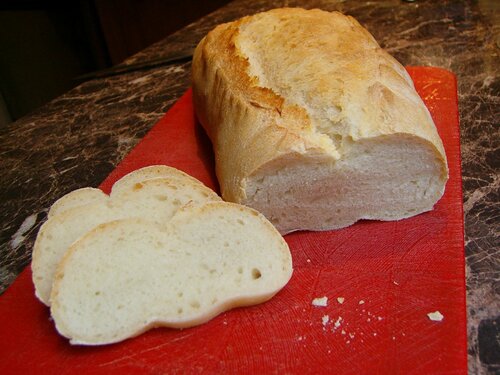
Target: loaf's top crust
<point>293,85</point>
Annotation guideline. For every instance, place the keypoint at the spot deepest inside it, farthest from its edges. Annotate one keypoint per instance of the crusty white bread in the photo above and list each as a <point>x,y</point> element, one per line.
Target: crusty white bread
<point>89,195</point>
<point>313,124</point>
<point>127,276</point>
<point>76,198</point>
<point>150,172</point>
<point>156,199</point>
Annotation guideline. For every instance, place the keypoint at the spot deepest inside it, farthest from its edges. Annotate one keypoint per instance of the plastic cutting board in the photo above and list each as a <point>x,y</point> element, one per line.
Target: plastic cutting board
<point>381,280</point>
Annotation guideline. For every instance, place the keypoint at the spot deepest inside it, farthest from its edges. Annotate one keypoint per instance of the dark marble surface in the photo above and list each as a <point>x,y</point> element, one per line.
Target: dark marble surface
<point>78,139</point>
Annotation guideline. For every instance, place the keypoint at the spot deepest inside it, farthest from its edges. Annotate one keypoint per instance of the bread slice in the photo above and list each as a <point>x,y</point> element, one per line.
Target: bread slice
<point>157,200</point>
<point>76,198</point>
<point>127,276</point>
<point>313,124</point>
<point>89,195</point>
<point>150,172</point>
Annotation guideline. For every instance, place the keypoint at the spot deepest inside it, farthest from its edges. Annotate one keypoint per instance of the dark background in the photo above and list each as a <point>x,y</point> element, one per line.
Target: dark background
<point>46,45</point>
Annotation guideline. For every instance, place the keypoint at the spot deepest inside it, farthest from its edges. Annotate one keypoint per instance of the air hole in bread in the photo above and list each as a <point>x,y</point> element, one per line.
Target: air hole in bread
<point>161,197</point>
<point>256,274</point>
<point>226,244</point>
<point>241,222</point>
<point>137,186</point>
<point>195,304</point>
<point>240,270</point>
<point>180,294</point>
<point>180,310</point>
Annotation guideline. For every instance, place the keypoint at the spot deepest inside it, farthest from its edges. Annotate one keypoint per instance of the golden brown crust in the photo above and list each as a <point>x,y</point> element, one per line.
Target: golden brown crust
<point>252,125</point>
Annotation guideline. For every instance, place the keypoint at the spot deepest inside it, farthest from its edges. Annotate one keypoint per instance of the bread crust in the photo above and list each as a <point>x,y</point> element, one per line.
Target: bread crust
<point>252,95</point>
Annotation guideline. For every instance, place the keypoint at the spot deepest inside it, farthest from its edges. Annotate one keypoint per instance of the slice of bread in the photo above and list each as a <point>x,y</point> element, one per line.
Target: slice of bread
<point>127,276</point>
<point>89,195</point>
<point>76,198</point>
<point>148,173</point>
<point>157,200</point>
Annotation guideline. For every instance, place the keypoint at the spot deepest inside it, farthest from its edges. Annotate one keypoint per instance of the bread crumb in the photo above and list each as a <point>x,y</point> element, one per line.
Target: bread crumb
<point>308,260</point>
<point>340,300</point>
<point>320,301</point>
<point>361,302</point>
<point>343,332</point>
<point>337,322</point>
<point>395,283</point>
<point>435,316</point>
<point>325,319</point>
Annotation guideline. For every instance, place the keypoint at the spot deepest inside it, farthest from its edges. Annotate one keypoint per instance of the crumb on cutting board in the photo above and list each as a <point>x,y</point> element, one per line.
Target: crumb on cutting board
<point>325,319</point>
<point>320,301</point>
<point>435,316</point>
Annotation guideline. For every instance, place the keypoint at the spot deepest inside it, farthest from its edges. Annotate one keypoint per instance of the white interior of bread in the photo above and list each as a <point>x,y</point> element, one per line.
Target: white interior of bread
<point>381,179</point>
<point>127,276</point>
<point>156,199</point>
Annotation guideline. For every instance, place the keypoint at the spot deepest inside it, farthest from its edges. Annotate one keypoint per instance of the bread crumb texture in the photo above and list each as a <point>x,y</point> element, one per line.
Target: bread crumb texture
<point>125,275</point>
<point>154,192</point>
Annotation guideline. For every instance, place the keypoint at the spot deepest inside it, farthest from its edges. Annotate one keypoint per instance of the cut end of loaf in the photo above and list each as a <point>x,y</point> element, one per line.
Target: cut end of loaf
<point>386,178</point>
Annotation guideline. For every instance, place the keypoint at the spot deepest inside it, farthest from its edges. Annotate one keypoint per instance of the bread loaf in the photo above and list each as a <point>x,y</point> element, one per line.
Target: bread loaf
<point>313,124</point>
<point>127,276</point>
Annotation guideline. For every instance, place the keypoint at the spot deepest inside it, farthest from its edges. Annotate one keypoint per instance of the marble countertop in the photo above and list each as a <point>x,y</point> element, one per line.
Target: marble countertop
<point>77,139</point>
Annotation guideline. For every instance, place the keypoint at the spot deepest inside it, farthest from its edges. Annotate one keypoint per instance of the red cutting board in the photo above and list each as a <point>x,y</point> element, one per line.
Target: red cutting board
<point>389,274</point>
